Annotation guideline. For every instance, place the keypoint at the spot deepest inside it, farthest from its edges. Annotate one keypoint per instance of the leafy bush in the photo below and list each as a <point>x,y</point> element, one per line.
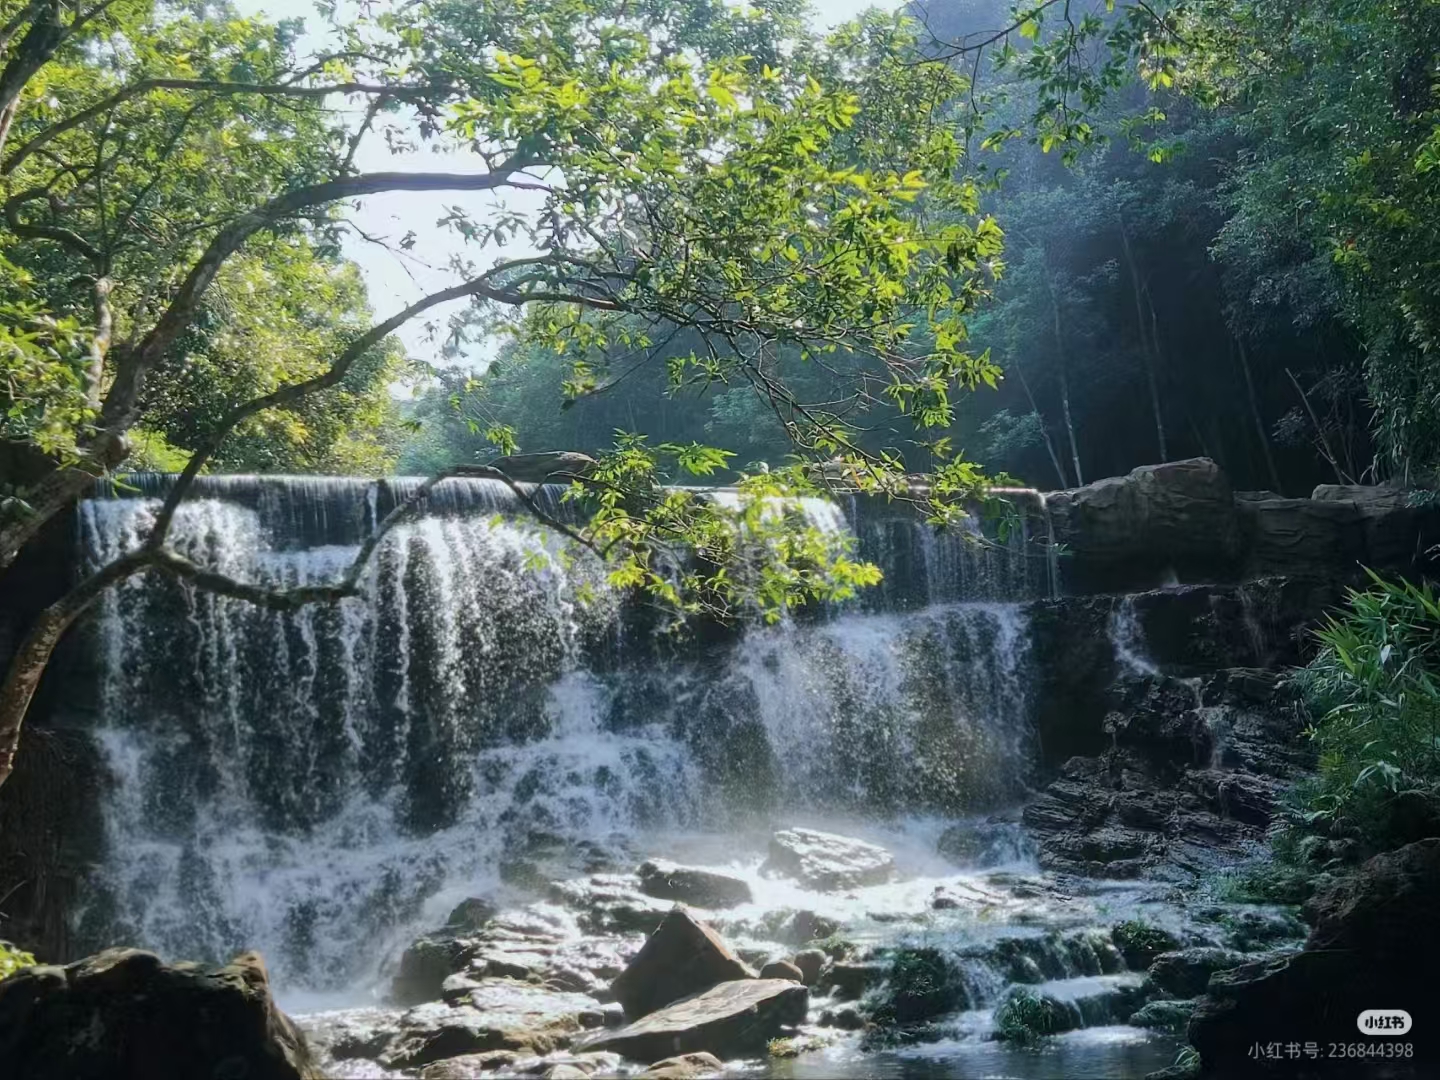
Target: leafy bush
<point>1025,1016</point>
<point>923,983</point>
<point>1139,942</point>
<point>13,959</point>
<point>1374,695</point>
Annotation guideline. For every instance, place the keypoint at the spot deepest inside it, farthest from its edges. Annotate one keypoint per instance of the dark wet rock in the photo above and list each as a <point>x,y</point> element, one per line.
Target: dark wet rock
<point>844,1017</point>
<point>548,467</point>
<point>805,926</point>
<point>1186,972</point>
<point>499,1014</point>
<point>610,903</point>
<point>691,885</point>
<point>731,1019</point>
<point>1374,939</point>
<point>684,1067</point>
<point>425,966</point>
<point>782,969</point>
<point>1128,533</point>
<point>827,862</point>
<point>122,1014</point>
<point>1249,929</point>
<point>811,963</point>
<point>1140,944</point>
<point>682,957</point>
<point>848,980</point>
<point>1026,1012</point>
<point>1165,1015</point>
<point>1189,784</point>
<point>982,845</point>
<point>471,915</point>
<point>920,984</point>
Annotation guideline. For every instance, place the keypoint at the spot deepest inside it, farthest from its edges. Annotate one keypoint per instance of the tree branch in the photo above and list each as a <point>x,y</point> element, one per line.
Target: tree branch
<point>208,85</point>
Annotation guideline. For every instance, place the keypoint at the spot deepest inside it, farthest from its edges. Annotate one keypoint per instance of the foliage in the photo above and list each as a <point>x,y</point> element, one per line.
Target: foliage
<point>13,959</point>
<point>921,984</point>
<point>1024,1016</point>
<point>1372,691</point>
<point>1139,942</point>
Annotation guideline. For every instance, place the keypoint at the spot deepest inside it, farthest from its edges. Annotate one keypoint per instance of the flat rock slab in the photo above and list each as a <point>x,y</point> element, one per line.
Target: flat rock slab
<point>692,885</point>
<point>496,1014</point>
<point>681,958</point>
<point>827,862</point>
<point>730,1020</point>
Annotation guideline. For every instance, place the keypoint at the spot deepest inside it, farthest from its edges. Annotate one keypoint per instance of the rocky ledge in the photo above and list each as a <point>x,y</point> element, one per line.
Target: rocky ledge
<point>1189,782</point>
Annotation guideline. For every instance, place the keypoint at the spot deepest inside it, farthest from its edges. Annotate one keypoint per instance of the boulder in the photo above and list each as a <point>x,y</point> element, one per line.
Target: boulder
<point>782,969</point>
<point>470,915</point>
<point>682,957</point>
<point>498,1014</point>
<point>548,467</point>
<point>122,1014</point>
<point>1164,1015</point>
<point>984,846</point>
<point>848,981</point>
<point>1375,945</point>
<point>1129,533</point>
<point>610,903</point>
<point>684,1067</point>
<point>1186,972</point>
<point>425,966</point>
<point>811,963</point>
<point>469,1066</point>
<point>827,862</point>
<point>732,1019</point>
<point>690,885</point>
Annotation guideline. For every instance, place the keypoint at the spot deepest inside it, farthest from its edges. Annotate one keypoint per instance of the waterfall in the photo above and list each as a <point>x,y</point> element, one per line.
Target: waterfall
<point>318,784</point>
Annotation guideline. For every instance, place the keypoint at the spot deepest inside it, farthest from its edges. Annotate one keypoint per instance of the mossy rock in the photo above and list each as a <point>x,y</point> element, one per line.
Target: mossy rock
<point>1024,1016</point>
<point>1164,1015</point>
<point>1140,943</point>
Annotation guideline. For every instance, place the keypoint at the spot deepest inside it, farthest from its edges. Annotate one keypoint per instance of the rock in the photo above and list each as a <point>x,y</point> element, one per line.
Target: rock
<point>1128,533</point>
<point>469,1066</point>
<point>690,885</point>
<point>470,915</point>
<point>684,1067</point>
<point>610,903</point>
<point>920,984</point>
<point>682,957</point>
<point>549,467</point>
<point>805,926</point>
<point>827,862</point>
<point>984,846</point>
<point>425,966</point>
<point>849,980</point>
<point>1185,973</point>
<point>732,1019</point>
<point>1374,939</point>
<point>499,1014</point>
<point>122,1014</point>
<point>844,1017</point>
<point>1166,1015</point>
<point>782,969</point>
<point>566,1072</point>
<point>811,963</point>
<point>1140,944</point>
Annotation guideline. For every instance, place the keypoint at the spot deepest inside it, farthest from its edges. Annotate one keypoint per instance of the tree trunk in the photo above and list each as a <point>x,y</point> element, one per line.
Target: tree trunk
<point>1044,429</point>
<point>1064,374</point>
<point>1147,352</point>
<point>1256,418</point>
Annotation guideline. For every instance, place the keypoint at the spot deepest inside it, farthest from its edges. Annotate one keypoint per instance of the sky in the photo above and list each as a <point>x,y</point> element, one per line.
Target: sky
<point>395,281</point>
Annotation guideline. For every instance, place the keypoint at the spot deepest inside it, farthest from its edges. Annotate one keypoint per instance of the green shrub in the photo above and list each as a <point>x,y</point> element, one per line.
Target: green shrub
<point>1025,1016</point>
<point>1139,942</point>
<point>13,959</point>
<point>922,984</point>
<point>1373,693</point>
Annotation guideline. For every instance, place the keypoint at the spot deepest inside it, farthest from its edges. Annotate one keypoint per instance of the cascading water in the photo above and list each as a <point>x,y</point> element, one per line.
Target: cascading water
<point>319,784</point>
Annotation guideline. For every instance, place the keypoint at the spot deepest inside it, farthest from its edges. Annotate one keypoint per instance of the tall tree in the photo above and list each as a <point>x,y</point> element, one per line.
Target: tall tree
<point>700,169</point>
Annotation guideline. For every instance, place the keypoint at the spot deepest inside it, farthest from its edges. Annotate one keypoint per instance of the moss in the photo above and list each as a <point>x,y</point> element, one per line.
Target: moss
<point>1139,942</point>
<point>13,959</point>
<point>1025,1016</point>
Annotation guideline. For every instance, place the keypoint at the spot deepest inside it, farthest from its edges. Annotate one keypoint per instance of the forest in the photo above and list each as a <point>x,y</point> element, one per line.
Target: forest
<point>551,462</point>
